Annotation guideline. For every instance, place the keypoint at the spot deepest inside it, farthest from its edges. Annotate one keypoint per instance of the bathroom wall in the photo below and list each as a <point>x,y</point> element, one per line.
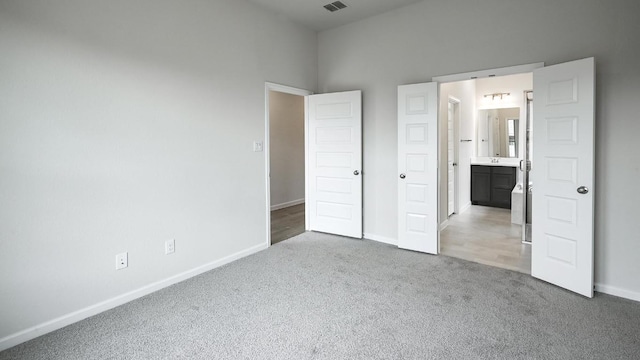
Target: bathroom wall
<point>515,85</point>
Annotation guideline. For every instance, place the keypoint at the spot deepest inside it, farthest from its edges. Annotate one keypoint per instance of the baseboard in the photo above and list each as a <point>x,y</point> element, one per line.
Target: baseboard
<point>287,204</point>
<point>444,224</point>
<point>62,321</point>
<point>615,291</point>
<point>381,239</point>
<point>465,207</point>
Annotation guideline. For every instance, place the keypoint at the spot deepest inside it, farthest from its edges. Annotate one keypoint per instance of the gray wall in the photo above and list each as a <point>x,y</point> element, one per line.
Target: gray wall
<point>433,38</point>
<point>126,123</point>
<point>121,123</point>
<point>286,133</point>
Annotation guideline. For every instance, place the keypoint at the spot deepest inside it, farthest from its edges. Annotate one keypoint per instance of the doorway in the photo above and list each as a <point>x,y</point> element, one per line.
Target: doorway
<point>329,158</point>
<point>562,213</point>
<point>487,228</point>
<point>453,122</point>
<point>285,159</point>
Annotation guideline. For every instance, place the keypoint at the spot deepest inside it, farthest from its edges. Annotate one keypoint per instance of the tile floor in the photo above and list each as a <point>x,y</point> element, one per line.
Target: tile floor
<point>486,235</point>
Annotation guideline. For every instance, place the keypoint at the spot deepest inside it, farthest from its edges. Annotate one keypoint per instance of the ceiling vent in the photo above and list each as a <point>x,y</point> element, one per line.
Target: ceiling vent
<point>335,6</point>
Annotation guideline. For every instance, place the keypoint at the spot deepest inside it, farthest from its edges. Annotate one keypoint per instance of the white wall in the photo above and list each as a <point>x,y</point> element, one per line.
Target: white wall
<point>123,124</point>
<point>433,38</point>
<point>286,132</point>
<point>465,91</point>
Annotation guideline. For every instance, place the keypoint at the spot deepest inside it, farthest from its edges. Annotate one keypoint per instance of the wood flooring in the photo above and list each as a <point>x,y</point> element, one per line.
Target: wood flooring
<point>287,223</point>
<point>486,235</point>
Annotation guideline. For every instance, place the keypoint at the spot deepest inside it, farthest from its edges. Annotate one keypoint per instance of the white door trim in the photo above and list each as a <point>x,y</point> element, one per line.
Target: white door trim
<point>456,152</point>
<point>269,86</point>
<point>509,70</point>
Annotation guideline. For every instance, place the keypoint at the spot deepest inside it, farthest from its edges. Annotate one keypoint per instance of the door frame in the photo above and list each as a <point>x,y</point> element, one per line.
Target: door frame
<point>456,151</point>
<point>269,86</point>
<point>509,70</point>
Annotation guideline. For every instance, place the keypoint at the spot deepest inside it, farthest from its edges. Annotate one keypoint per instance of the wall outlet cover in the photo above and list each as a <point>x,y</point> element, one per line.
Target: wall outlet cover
<point>122,261</point>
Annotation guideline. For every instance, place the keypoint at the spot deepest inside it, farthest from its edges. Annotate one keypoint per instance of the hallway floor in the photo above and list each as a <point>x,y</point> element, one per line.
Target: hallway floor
<point>486,235</point>
<point>287,223</point>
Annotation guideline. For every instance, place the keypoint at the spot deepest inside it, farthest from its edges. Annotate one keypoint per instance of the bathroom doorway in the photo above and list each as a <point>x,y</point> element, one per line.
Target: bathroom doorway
<point>563,203</point>
<point>489,225</point>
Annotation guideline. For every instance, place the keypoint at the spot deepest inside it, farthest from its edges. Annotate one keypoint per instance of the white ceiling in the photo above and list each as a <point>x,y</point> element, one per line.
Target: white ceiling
<point>312,14</point>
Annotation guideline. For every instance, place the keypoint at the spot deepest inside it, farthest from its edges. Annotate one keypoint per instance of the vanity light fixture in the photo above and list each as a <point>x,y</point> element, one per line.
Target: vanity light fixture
<point>497,95</point>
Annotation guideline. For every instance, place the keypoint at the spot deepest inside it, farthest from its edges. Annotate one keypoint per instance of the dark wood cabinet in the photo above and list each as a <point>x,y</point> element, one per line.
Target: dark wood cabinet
<point>492,185</point>
<point>480,184</point>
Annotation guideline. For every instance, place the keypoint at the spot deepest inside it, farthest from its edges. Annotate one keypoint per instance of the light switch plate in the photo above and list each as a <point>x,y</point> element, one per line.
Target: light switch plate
<point>257,146</point>
<point>170,246</point>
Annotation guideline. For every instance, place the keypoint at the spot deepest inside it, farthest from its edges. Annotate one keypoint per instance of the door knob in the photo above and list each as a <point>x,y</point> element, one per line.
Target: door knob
<point>583,190</point>
<point>356,172</point>
<point>402,176</point>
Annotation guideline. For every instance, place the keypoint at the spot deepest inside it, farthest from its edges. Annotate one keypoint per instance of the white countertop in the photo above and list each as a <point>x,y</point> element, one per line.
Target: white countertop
<point>486,161</point>
<point>494,164</point>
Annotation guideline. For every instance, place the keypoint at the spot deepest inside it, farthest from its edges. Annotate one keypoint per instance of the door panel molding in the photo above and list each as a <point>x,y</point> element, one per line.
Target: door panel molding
<point>418,167</point>
<point>334,163</point>
<point>563,153</point>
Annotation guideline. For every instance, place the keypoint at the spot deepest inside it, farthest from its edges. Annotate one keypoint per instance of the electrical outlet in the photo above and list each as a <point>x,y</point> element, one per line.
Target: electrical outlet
<point>122,261</point>
<point>258,146</point>
<point>170,246</point>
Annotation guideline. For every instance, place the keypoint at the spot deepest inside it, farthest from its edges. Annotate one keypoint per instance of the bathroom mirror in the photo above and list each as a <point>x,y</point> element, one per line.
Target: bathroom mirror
<point>498,132</point>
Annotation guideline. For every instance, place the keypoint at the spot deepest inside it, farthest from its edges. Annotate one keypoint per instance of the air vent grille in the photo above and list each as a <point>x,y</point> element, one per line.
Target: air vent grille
<point>335,6</point>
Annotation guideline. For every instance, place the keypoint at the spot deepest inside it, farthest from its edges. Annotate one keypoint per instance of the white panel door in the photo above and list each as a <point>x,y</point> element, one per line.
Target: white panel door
<point>418,167</point>
<point>563,175</point>
<point>335,163</point>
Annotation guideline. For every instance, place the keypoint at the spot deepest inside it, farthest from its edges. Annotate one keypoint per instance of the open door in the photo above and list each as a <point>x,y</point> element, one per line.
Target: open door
<point>418,167</point>
<point>334,182</point>
<point>563,175</point>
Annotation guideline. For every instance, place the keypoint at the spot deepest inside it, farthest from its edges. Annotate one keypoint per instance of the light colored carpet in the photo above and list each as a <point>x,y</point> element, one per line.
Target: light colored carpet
<point>319,296</point>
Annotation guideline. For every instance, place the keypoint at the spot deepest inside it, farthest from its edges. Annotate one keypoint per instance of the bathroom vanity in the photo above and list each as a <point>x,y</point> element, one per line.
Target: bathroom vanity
<point>493,172</point>
<point>491,184</point>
